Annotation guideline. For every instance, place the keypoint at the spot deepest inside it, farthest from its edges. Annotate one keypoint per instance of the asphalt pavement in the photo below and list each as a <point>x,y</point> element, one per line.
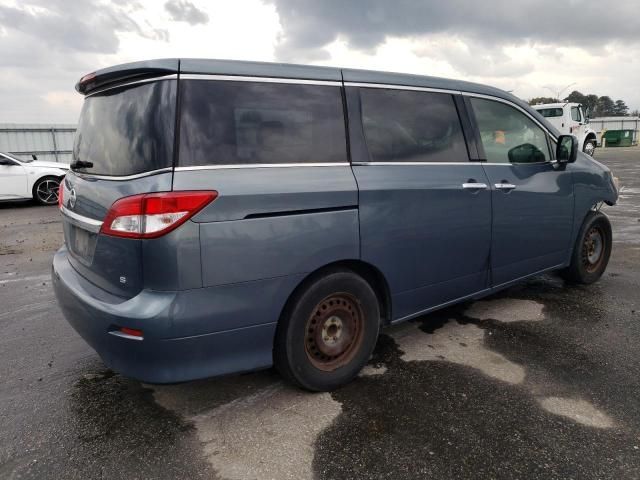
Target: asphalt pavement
<point>539,381</point>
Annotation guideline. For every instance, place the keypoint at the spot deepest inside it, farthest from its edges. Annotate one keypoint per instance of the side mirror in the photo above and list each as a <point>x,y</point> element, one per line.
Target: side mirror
<point>567,150</point>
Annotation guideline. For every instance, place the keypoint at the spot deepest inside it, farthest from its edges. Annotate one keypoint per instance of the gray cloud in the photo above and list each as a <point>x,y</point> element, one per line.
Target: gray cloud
<point>46,45</point>
<point>310,25</point>
<point>185,11</point>
<point>92,27</point>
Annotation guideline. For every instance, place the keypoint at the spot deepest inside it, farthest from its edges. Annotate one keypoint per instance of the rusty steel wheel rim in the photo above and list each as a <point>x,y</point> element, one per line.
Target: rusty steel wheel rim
<point>593,249</point>
<point>334,331</point>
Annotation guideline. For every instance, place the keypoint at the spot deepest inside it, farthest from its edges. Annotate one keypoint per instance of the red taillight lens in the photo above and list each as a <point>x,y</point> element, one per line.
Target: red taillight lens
<point>60,194</point>
<point>154,214</point>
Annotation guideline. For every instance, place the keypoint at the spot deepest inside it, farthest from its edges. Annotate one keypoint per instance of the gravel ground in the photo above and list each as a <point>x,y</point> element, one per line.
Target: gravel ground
<point>539,381</point>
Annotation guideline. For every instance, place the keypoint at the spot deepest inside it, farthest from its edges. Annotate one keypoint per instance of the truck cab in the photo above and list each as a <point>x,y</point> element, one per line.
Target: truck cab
<point>570,119</point>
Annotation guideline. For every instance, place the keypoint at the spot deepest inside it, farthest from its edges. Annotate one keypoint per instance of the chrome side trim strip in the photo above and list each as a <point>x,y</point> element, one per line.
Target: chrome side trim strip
<point>172,76</point>
<point>259,165</point>
<point>401,87</point>
<point>365,164</point>
<point>81,221</point>
<point>242,78</point>
<point>126,177</point>
<point>496,164</point>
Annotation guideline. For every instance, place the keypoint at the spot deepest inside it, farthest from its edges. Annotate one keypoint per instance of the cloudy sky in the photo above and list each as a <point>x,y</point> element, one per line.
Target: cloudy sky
<point>531,47</point>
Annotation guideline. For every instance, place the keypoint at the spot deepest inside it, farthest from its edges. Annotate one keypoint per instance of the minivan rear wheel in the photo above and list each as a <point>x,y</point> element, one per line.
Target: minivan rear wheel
<point>592,250</point>
<point>328,331</point>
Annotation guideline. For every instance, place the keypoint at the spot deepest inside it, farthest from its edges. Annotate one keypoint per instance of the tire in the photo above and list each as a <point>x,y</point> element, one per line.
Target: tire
<point>591,252</point>
<point>589,147</point>
<point>45,190</point>
<point>328,331</point>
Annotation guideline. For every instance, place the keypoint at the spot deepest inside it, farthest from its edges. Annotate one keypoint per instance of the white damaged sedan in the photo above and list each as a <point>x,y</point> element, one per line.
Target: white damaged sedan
<point>22,179</point>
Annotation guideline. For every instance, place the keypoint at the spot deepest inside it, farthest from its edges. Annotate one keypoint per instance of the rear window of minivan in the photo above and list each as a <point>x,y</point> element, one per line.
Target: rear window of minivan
<point>127,130</point>
<point>237,122</point>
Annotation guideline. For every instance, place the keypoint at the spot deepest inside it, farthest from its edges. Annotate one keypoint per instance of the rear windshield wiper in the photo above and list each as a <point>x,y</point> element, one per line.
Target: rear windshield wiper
<point>81,164</point>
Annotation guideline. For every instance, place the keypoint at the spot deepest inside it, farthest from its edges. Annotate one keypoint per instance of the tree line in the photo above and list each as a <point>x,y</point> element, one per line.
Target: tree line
<point>594,105</point>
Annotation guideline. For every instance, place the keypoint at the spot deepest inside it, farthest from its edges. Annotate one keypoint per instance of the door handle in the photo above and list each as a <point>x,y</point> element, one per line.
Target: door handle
<point>474,186</point>
<point>505,186</point>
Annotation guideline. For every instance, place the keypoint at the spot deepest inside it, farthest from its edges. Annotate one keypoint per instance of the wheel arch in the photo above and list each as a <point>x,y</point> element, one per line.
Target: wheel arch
<point>368,272</point>
<point>581,219</point>
<point>591,136</point>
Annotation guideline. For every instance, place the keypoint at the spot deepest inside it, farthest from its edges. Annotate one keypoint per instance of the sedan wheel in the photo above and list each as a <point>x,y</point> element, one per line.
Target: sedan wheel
<point>46,190</point>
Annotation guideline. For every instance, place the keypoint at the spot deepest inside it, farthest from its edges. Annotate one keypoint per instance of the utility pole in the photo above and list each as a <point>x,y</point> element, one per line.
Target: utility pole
<point>559,92</point>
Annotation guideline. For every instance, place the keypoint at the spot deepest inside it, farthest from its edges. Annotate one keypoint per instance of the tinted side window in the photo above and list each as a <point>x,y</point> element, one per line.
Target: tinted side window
<point>575,114</point>
<point>410,126</point>
<point>508,135</point>
<point>229,123</point>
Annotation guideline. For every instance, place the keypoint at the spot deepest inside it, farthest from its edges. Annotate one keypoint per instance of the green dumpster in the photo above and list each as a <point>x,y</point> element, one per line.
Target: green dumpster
<point>619,138</point>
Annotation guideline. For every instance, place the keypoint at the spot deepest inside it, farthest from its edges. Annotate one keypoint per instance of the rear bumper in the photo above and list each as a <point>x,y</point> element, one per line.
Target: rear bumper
<point>188,335</point>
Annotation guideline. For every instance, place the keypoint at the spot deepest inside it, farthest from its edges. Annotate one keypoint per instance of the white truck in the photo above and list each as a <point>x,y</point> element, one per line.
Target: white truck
<point>570,119</point>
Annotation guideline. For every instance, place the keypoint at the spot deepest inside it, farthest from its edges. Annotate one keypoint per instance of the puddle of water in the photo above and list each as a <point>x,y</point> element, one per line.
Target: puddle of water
<point>456,343</point>
<point>580,411</point>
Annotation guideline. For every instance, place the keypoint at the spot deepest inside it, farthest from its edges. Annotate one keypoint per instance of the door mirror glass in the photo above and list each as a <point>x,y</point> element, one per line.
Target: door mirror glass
<point>567,150</point>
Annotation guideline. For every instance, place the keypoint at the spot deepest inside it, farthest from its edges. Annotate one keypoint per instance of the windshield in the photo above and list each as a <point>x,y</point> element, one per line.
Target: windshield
<point>550,112</point>
<point>126,130</point>
<point>21,160</point>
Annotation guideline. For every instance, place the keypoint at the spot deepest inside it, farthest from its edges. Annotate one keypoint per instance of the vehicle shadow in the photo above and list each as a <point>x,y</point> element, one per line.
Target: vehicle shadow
<point>17,204</point>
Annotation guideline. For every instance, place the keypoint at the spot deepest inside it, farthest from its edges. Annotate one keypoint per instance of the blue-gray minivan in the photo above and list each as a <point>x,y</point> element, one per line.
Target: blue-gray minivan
<point>224,216</point>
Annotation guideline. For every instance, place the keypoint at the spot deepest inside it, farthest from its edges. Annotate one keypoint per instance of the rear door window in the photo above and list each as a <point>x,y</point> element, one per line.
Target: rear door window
<point>127,130</point>
<point>508,135</point>
<point>236,123</point>
<point>411,126</point>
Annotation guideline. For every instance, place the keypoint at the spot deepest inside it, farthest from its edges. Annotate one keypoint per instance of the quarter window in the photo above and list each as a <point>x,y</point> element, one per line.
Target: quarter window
<point>411,126</point>
<point>231,123</point>
<point>507,135</point>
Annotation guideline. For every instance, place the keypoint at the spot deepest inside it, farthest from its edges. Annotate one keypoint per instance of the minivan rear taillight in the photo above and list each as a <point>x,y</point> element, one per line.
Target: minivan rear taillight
<point>152,215</point>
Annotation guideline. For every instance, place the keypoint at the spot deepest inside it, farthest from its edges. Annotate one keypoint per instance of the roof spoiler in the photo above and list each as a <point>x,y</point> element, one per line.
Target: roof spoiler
<point>126,73</point>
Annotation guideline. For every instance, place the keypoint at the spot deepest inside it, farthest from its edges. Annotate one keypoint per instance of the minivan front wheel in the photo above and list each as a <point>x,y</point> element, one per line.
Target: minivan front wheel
<point>592,250</point>
<point>328,331</point>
